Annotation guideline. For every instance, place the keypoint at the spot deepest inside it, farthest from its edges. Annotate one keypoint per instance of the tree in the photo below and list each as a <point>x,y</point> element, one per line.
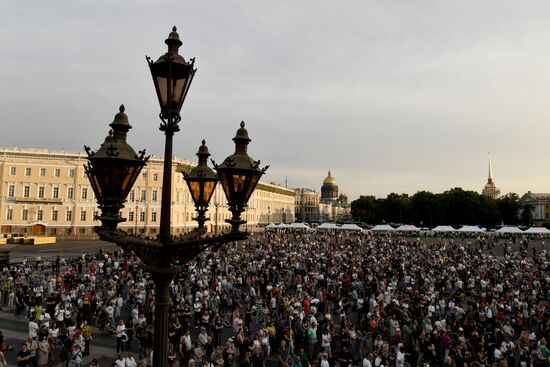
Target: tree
<point>509,208</point>
<point>452,207</point>
<point>424,209</point>
<point>364,209</point>
<point>527,215</point>
<point>397,208</point>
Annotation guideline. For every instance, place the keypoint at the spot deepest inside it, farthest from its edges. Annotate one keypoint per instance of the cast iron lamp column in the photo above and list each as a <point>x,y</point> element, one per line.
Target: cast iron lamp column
<point>172,76</point>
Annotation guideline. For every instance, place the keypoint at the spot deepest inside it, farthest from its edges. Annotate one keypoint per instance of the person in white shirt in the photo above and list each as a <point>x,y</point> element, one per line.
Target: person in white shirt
<point>120,334</point>
<point>119,303</point>
<point>33,328</point>
<point>130,360</point>
<point>367,360</point>
<point>121,361</point>
<point>325,341</point>
<point>400,357</point>
<point>324,360</point>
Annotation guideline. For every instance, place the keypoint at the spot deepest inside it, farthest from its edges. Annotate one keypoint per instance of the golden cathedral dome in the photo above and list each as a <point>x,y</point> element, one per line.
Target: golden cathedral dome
<point>329,180</point>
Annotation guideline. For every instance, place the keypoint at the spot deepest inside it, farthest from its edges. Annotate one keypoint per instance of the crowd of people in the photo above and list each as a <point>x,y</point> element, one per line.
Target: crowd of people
<point>297,299</point>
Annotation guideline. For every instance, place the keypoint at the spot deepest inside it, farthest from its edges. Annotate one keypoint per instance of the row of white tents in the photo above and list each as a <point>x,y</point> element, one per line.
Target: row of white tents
<point>463,229</point>
<point>323,226</point>
<point>407,228</point>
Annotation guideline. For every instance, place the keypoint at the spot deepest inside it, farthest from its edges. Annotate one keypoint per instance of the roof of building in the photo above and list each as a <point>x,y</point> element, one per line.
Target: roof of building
<point>329,180</point>
<point>536,195</point>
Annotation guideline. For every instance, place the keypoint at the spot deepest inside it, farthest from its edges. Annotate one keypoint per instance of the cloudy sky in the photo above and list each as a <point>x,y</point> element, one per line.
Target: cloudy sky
<point>391,96</point>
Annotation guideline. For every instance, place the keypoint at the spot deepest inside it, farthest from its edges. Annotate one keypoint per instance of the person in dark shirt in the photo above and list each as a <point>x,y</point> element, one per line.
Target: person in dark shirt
<point>257,358</point>
<point>24,356</point>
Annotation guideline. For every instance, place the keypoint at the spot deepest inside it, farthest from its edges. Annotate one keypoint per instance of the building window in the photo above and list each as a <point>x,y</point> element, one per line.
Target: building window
<point>130,216</point>
<point>55,192</point>
<point>155,176</point>
<point>39,214</point>
<point>72,173</point>
<point>11,191</point>
<point>84,194</point>
<point>132,196</point>
<point>25,214</point>
<point>96,215</point>
<point>153,216</point>
<point>144,176</point>
<point>13,171</point>
<point>42,172</point>
<point>83,215</point>
<point>142,216</point>
<point>26,191</point>
<point>69,215</point>
<point>70,193</point>
<point>9,214</point>
<point>154,195</point>
<point>143,195</point>
<point>27,171</point>
<point>57,172</point>
<point>41,192</point>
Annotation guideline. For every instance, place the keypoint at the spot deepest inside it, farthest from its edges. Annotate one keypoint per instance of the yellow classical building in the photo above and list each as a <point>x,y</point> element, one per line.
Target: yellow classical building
<point>46,192</point>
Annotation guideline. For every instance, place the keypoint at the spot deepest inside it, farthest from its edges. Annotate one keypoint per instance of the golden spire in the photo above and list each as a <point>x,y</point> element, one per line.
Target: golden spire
<point>490,179</point>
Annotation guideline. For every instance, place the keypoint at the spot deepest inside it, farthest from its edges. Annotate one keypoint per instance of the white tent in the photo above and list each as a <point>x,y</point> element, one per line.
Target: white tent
<point>444,229</point>
<point>298,226</point>
<point>271,227</point>
<point>351,227</point>
<point>383,227</point>
<point>407,228</point>
<point>537,230</point>
<point>327,226</point>
<point>282,226</point>
<point>509,230</point>
<point>471,229</point>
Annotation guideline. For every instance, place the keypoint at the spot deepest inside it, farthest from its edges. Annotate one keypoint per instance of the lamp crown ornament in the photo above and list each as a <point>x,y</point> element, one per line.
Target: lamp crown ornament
<point>173,38</point>
<point>203,153</point>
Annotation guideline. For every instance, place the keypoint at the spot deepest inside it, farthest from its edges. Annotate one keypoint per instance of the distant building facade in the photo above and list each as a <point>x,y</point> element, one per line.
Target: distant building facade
<point>539,204</point>
<point>307,205</point>
<point>46,192</point>
<point>329,207</point>
<point>491,190</point>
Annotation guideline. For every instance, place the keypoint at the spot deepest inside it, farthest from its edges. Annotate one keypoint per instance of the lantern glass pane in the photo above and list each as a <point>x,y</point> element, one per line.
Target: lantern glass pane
<point>194,189</point>
<point>239,183</point>
<point>226,181</point>
<point>178,87</point>
<point>209,190</point>
<point>162,85</point>
<point>251,186</point>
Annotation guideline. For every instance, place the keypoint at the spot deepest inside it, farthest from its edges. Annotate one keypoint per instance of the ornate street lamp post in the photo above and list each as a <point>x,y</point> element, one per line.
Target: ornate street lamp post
<point>113,169</point>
